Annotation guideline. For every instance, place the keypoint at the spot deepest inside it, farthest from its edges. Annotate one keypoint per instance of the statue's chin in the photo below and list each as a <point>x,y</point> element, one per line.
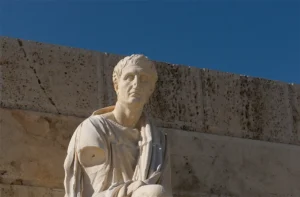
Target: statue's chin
<point>136,101</point>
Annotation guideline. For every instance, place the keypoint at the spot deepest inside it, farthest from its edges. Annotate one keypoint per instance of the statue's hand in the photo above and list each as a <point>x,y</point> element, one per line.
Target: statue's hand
<point>153,179</point>
<point>134,186</point>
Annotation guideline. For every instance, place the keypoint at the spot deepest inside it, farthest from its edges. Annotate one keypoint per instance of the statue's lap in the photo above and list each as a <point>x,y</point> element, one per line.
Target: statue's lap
<point>150,191</point>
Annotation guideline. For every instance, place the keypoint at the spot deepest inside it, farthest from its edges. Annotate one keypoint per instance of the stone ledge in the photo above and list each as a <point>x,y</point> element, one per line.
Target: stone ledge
<point>28,191</point>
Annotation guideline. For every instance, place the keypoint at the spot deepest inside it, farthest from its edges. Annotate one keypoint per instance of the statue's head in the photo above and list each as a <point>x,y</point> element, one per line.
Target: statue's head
<point>134,79</point>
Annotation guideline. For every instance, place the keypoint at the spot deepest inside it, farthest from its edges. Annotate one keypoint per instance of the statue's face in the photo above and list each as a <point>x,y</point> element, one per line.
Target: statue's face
<point>135,84</point>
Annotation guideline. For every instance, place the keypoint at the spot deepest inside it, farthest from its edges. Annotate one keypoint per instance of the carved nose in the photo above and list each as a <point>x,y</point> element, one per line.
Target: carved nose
<point>136,81</point>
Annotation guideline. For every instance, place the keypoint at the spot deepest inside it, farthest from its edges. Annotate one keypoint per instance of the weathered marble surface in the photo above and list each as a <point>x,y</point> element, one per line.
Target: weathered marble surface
<point>28,191</point>
<point>221,165</point>
<point>68,81</point>
<point>33,147</point>
<point>36,77</point>
<point>121,145</point>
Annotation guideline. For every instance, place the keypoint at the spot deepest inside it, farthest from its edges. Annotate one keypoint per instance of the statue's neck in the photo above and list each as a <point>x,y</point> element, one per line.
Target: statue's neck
<point>127,116</point>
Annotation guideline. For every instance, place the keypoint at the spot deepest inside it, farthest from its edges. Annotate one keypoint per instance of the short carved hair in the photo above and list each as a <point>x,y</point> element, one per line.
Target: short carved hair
<point>136,59</point>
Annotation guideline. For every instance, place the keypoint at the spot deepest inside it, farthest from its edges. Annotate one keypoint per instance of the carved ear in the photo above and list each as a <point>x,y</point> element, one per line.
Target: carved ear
<point>116,87</point>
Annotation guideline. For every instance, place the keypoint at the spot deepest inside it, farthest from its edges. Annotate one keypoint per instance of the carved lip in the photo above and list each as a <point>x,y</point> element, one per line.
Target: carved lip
<point>135,93</point>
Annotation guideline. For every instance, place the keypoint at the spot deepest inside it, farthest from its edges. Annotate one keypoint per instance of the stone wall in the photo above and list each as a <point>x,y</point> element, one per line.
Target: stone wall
<point>231,135</point>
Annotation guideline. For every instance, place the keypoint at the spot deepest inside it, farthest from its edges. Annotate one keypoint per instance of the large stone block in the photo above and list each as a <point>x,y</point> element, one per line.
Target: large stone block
<point>27,191</point>
<point>68,81</point>
<point>249,107</point>
<point>49,78</point>
<point>107,66</point>
<point>294,96</point>
<point>219,165</point>
<point>33,147</point>
<point>177,101</point>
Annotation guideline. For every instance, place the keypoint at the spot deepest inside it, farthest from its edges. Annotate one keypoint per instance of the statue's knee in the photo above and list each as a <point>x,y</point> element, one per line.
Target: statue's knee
<point>150,191</point>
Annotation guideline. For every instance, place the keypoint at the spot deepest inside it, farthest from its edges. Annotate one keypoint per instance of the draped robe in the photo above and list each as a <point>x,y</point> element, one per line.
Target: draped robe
<point>130,155</point>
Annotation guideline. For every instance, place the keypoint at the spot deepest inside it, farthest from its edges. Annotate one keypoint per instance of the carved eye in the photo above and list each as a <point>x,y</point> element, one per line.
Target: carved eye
<point>129,77</point>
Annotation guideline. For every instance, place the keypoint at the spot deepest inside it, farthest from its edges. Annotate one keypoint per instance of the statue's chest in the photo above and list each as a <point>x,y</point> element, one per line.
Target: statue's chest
<point>125,145</point>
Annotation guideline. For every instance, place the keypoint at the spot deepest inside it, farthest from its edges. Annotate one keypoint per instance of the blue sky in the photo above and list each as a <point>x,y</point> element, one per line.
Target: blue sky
<point>259,38</point>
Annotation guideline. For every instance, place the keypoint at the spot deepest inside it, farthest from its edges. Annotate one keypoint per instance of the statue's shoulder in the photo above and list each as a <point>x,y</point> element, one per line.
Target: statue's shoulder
<point>107,116</point>
<point>95,124</point>
<point>93,131</point>
<point>99,118</point>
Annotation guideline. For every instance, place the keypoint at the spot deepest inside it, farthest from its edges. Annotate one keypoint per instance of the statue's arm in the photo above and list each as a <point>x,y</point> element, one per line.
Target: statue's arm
<point>91,147</point>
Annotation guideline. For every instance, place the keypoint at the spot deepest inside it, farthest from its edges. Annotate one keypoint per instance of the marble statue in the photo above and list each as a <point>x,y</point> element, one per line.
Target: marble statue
<point>117,151</point>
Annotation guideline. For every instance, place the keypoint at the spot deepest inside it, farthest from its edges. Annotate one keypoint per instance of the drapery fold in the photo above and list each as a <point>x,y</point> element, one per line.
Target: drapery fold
<point>106,182</point>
